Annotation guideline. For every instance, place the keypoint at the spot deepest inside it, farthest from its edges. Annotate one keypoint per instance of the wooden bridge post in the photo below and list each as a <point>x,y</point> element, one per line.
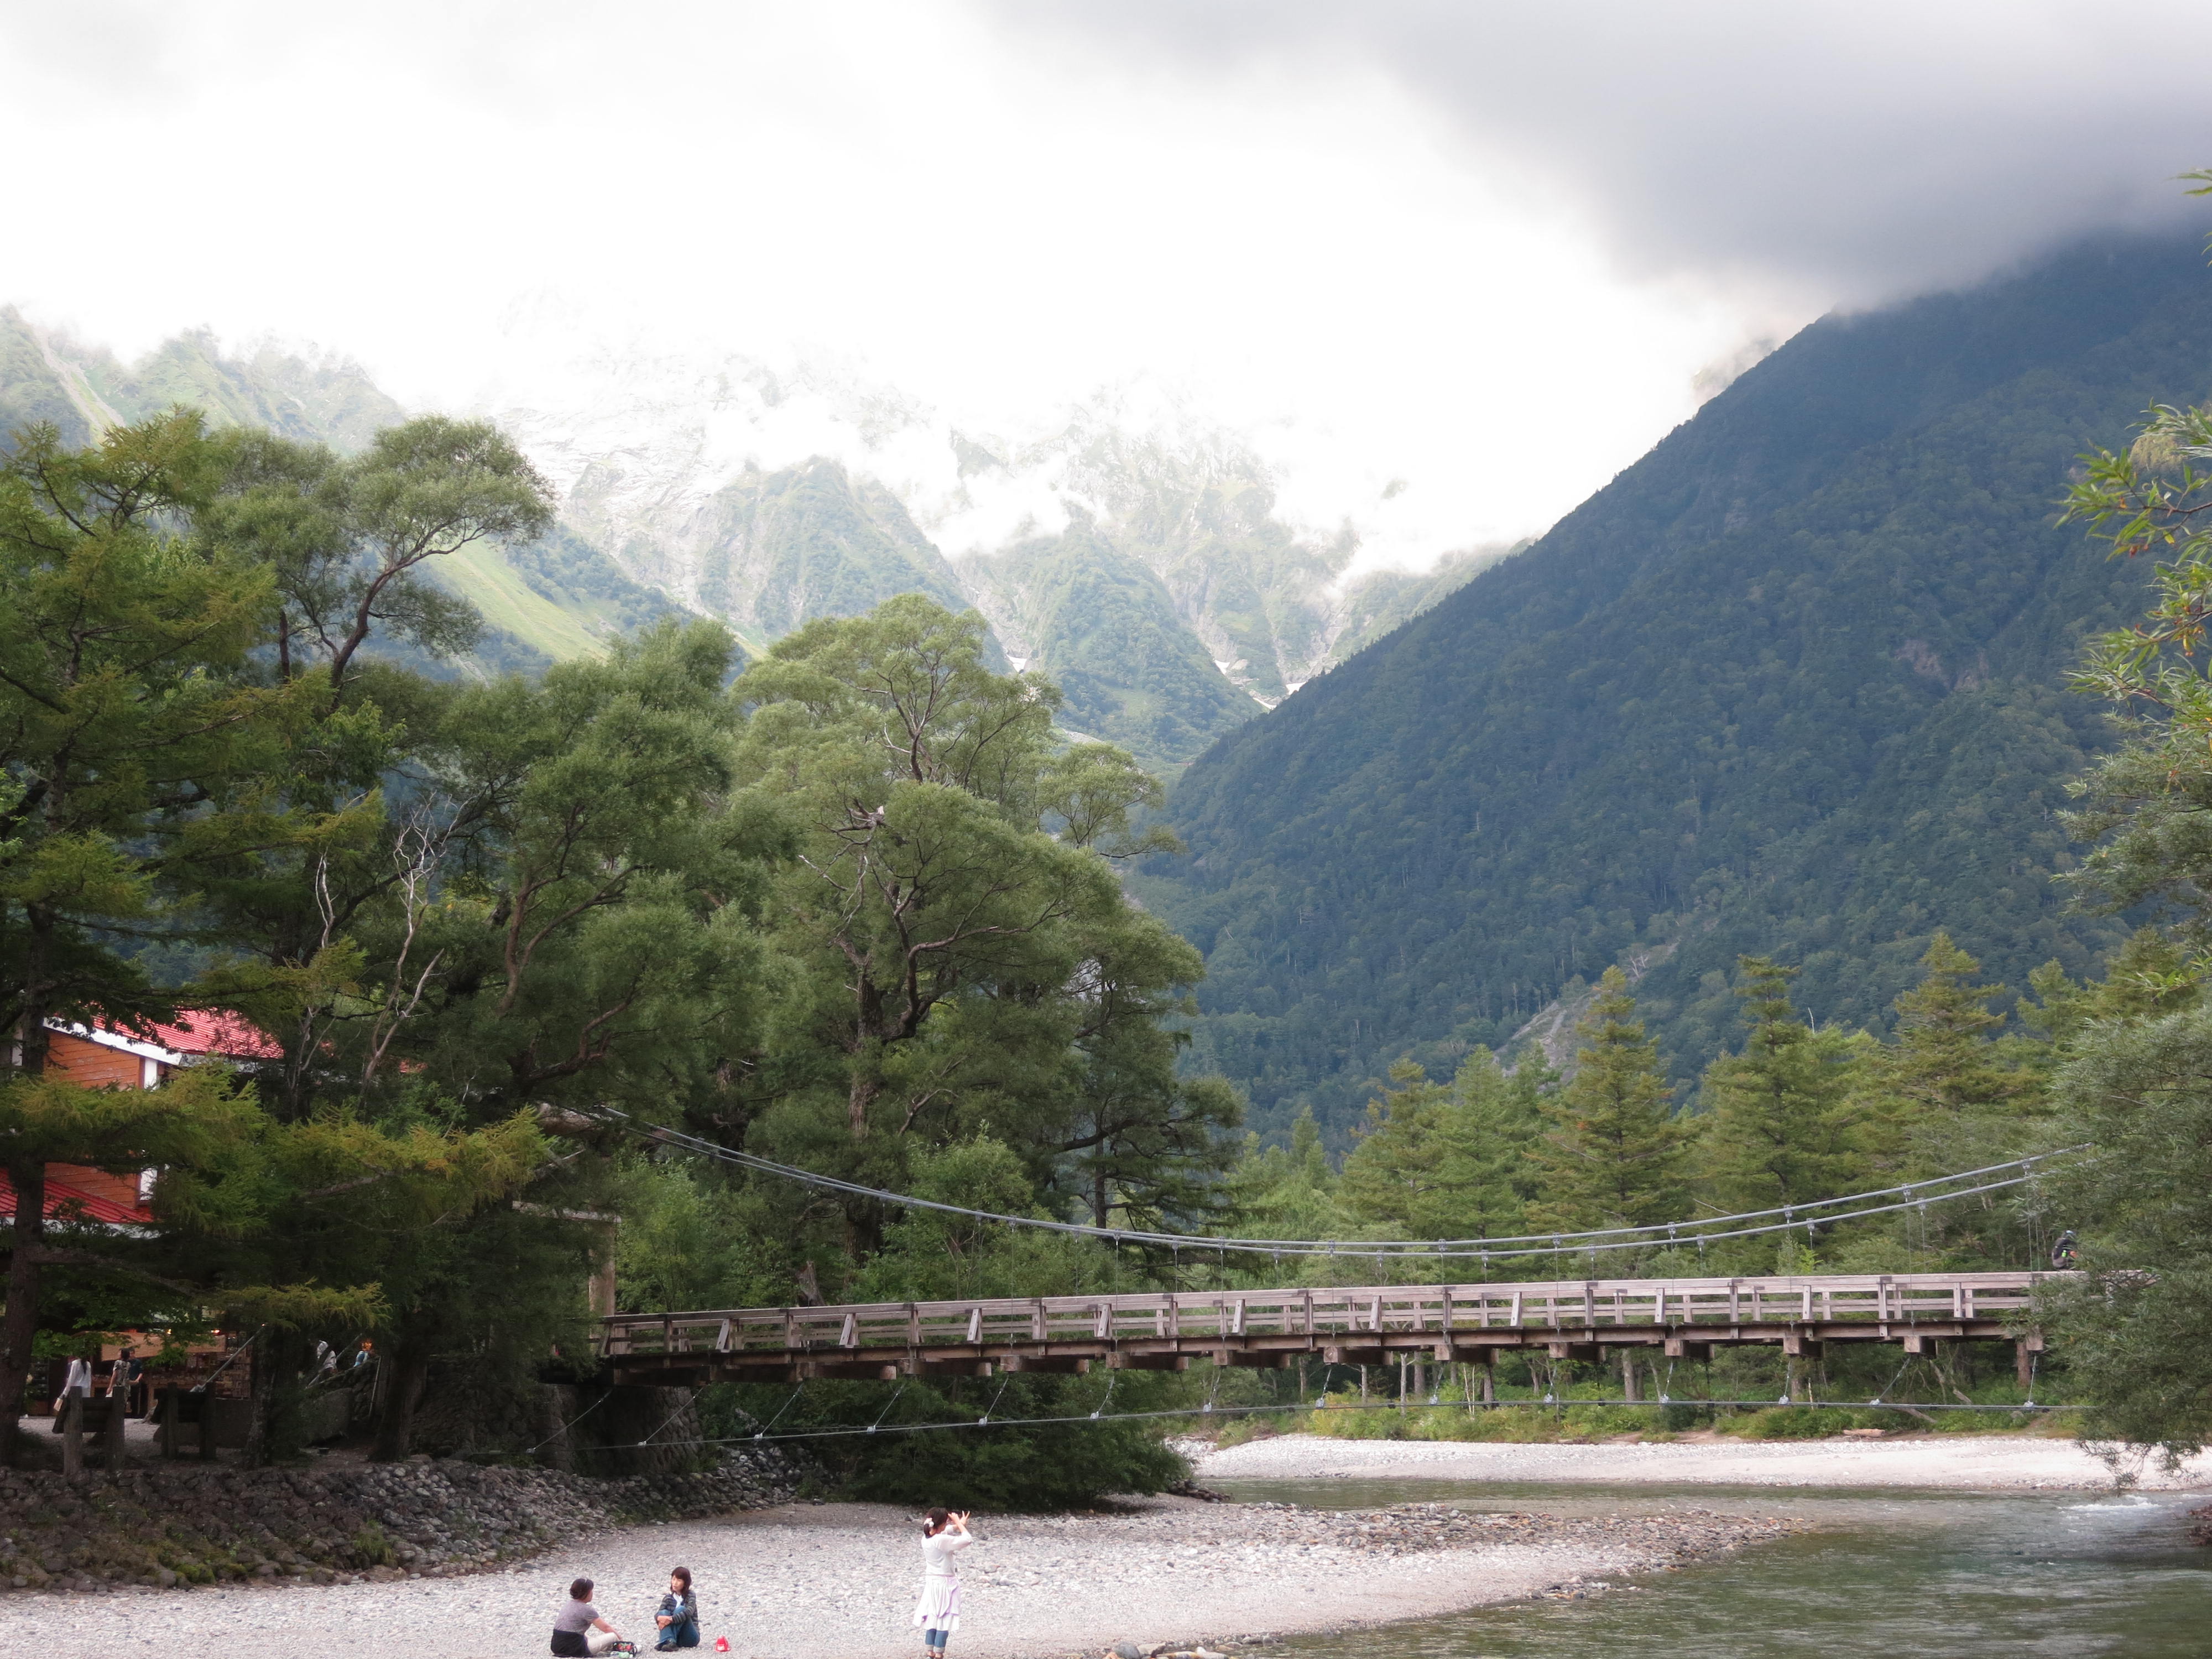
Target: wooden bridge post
<point>112,1433</point>
<point>73,1437</point>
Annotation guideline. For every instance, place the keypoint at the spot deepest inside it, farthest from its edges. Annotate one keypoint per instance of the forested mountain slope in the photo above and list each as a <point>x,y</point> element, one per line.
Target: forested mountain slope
<point>1102,626</point>
<point>1792,683</point>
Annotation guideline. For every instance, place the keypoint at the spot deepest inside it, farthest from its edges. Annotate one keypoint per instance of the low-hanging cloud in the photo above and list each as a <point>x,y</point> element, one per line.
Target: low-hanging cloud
<point>1857,151</point>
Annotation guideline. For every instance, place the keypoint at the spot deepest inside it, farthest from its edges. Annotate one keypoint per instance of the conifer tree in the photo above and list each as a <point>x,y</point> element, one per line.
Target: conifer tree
<point>1439,1161</point>
<point>1946,1085</point>
<point>1612,1154</point>
<point>1288,1192</point>
<point>1781,1114</point>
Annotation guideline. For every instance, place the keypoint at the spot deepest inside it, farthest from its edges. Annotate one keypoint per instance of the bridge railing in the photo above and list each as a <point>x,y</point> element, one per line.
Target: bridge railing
<point>1194,1318</point>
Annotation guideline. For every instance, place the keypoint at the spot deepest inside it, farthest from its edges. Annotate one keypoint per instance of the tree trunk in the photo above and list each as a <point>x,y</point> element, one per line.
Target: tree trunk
<point>19,1330</point>
<point>395,1430</point>
<point>271,1360</point>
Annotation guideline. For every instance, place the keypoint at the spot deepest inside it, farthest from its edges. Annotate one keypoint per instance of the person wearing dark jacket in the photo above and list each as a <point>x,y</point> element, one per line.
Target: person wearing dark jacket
<point>679,1618</point>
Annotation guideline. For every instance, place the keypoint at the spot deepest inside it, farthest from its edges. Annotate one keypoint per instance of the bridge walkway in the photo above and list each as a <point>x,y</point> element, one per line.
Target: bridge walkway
<point>1569,1320</point>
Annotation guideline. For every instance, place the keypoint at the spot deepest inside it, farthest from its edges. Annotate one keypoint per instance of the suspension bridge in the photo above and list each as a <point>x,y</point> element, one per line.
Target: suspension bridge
<point>1578,1320</point>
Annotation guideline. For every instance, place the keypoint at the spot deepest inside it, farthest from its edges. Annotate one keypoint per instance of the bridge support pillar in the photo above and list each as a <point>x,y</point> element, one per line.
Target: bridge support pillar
<point>2023,1357</point>
<point>1798,1345</point>
<point>1698,1352</point>
<point>1349,1354</point>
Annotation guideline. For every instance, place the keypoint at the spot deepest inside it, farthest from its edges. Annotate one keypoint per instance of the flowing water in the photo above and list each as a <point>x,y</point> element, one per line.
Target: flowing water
<point>1886,1575</point>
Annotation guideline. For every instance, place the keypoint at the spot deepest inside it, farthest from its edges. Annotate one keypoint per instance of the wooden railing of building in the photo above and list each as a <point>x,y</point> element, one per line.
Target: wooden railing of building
<point>1577,1319</point>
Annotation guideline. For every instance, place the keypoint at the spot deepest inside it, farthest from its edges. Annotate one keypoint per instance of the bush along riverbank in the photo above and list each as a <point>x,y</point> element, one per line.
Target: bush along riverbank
<point>179,1525</point>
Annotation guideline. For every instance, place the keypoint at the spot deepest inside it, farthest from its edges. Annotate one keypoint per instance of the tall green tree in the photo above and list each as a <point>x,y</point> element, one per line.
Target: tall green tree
<point>1612,1153</point>
<point>961,959</point>
<point>1288,1192</point>
<point>125,713</point>
<point>1950,1093</point>
<point>2132,1328</point>
<point>1446,1161</point>
<point>350,543</point>
<point>1781,1114</point>
<point>128,719</point>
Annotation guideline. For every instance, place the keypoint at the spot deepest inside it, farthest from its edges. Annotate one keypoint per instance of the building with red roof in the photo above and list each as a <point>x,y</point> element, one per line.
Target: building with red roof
<point>102,1055</point>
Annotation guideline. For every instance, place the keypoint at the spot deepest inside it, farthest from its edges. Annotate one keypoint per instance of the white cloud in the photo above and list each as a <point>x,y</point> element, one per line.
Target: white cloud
<point>1310,232</point>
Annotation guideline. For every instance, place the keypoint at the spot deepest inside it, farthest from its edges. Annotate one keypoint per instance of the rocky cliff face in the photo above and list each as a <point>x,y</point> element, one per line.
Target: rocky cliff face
<point>1141,562</point>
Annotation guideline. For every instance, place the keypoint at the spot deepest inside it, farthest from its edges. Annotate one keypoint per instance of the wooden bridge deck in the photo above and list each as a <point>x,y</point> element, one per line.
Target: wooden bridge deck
<point>1577,1319</point>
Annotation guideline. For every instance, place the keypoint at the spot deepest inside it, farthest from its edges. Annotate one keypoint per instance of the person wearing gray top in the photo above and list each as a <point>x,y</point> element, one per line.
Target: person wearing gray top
<point>578,1631</point>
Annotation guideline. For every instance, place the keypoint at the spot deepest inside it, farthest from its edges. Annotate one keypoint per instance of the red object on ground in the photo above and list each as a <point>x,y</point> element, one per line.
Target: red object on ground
<point>721,1645</point>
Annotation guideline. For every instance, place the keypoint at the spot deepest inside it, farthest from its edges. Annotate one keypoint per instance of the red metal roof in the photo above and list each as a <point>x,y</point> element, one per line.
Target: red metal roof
<point>211,1032</point>
<point>62,1197</point>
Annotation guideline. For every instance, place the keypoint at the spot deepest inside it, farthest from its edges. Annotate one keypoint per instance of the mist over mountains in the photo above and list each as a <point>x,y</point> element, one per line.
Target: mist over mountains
<point>1146,569</point>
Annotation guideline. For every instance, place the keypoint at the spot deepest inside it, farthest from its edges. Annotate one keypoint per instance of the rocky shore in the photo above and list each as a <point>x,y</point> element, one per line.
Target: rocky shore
<point>1953,1462</point>
<point>179,1524</point>
<point>836,1581</point>
<point>1648,1540</point>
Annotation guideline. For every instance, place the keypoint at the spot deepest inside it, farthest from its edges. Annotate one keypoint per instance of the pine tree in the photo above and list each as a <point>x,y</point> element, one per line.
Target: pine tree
<point>1937,1094</point>
<point>1438,1161</point>
<point>1612,1154</point>
<point>1781,1116</point>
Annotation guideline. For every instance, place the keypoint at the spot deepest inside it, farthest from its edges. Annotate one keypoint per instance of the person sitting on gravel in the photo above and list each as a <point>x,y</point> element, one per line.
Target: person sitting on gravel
<point>938,1613</point>
<point>678,1617</point>
<point>579,1633</point>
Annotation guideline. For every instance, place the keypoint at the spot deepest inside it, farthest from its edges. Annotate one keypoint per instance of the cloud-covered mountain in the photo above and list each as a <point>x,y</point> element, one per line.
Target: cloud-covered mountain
<point>1792,684</point>
<point>1136,557</point>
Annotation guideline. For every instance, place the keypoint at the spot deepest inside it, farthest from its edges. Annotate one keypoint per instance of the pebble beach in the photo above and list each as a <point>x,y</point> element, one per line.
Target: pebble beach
<point>836,1581</point>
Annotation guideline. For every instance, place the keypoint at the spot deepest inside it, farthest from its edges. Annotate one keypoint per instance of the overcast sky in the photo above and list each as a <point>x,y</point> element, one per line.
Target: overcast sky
<point>1482,249</point>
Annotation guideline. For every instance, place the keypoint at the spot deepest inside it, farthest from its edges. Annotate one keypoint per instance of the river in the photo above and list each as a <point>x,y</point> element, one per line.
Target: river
<point>1885,1575</point>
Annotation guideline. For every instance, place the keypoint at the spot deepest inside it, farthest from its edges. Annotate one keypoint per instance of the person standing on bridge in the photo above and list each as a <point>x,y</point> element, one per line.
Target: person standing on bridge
<point>937,1615</point>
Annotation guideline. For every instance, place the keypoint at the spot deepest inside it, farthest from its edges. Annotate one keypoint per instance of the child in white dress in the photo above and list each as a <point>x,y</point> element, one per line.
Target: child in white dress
<point>937,1615</point>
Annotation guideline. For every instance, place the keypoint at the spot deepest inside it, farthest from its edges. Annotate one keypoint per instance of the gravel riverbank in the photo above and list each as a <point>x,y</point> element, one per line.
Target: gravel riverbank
<point>1975,1462</point>
<point>339,1522</point>
<point>837,1580</point>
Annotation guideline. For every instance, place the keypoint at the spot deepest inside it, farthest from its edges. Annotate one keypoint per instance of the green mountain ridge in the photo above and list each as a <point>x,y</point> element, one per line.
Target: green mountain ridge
<point>1791,684</point>
<point>1104,626</point>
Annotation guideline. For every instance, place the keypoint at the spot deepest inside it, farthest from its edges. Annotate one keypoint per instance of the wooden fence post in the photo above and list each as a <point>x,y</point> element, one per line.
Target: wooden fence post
<point>73,1437</point>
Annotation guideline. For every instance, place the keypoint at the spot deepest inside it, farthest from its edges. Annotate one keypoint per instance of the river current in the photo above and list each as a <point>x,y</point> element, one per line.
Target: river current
<point>1884,1575</point>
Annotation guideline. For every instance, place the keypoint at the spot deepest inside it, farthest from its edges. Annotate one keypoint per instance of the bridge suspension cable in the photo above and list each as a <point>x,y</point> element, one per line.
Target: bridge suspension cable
<point>1826,1212</point>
